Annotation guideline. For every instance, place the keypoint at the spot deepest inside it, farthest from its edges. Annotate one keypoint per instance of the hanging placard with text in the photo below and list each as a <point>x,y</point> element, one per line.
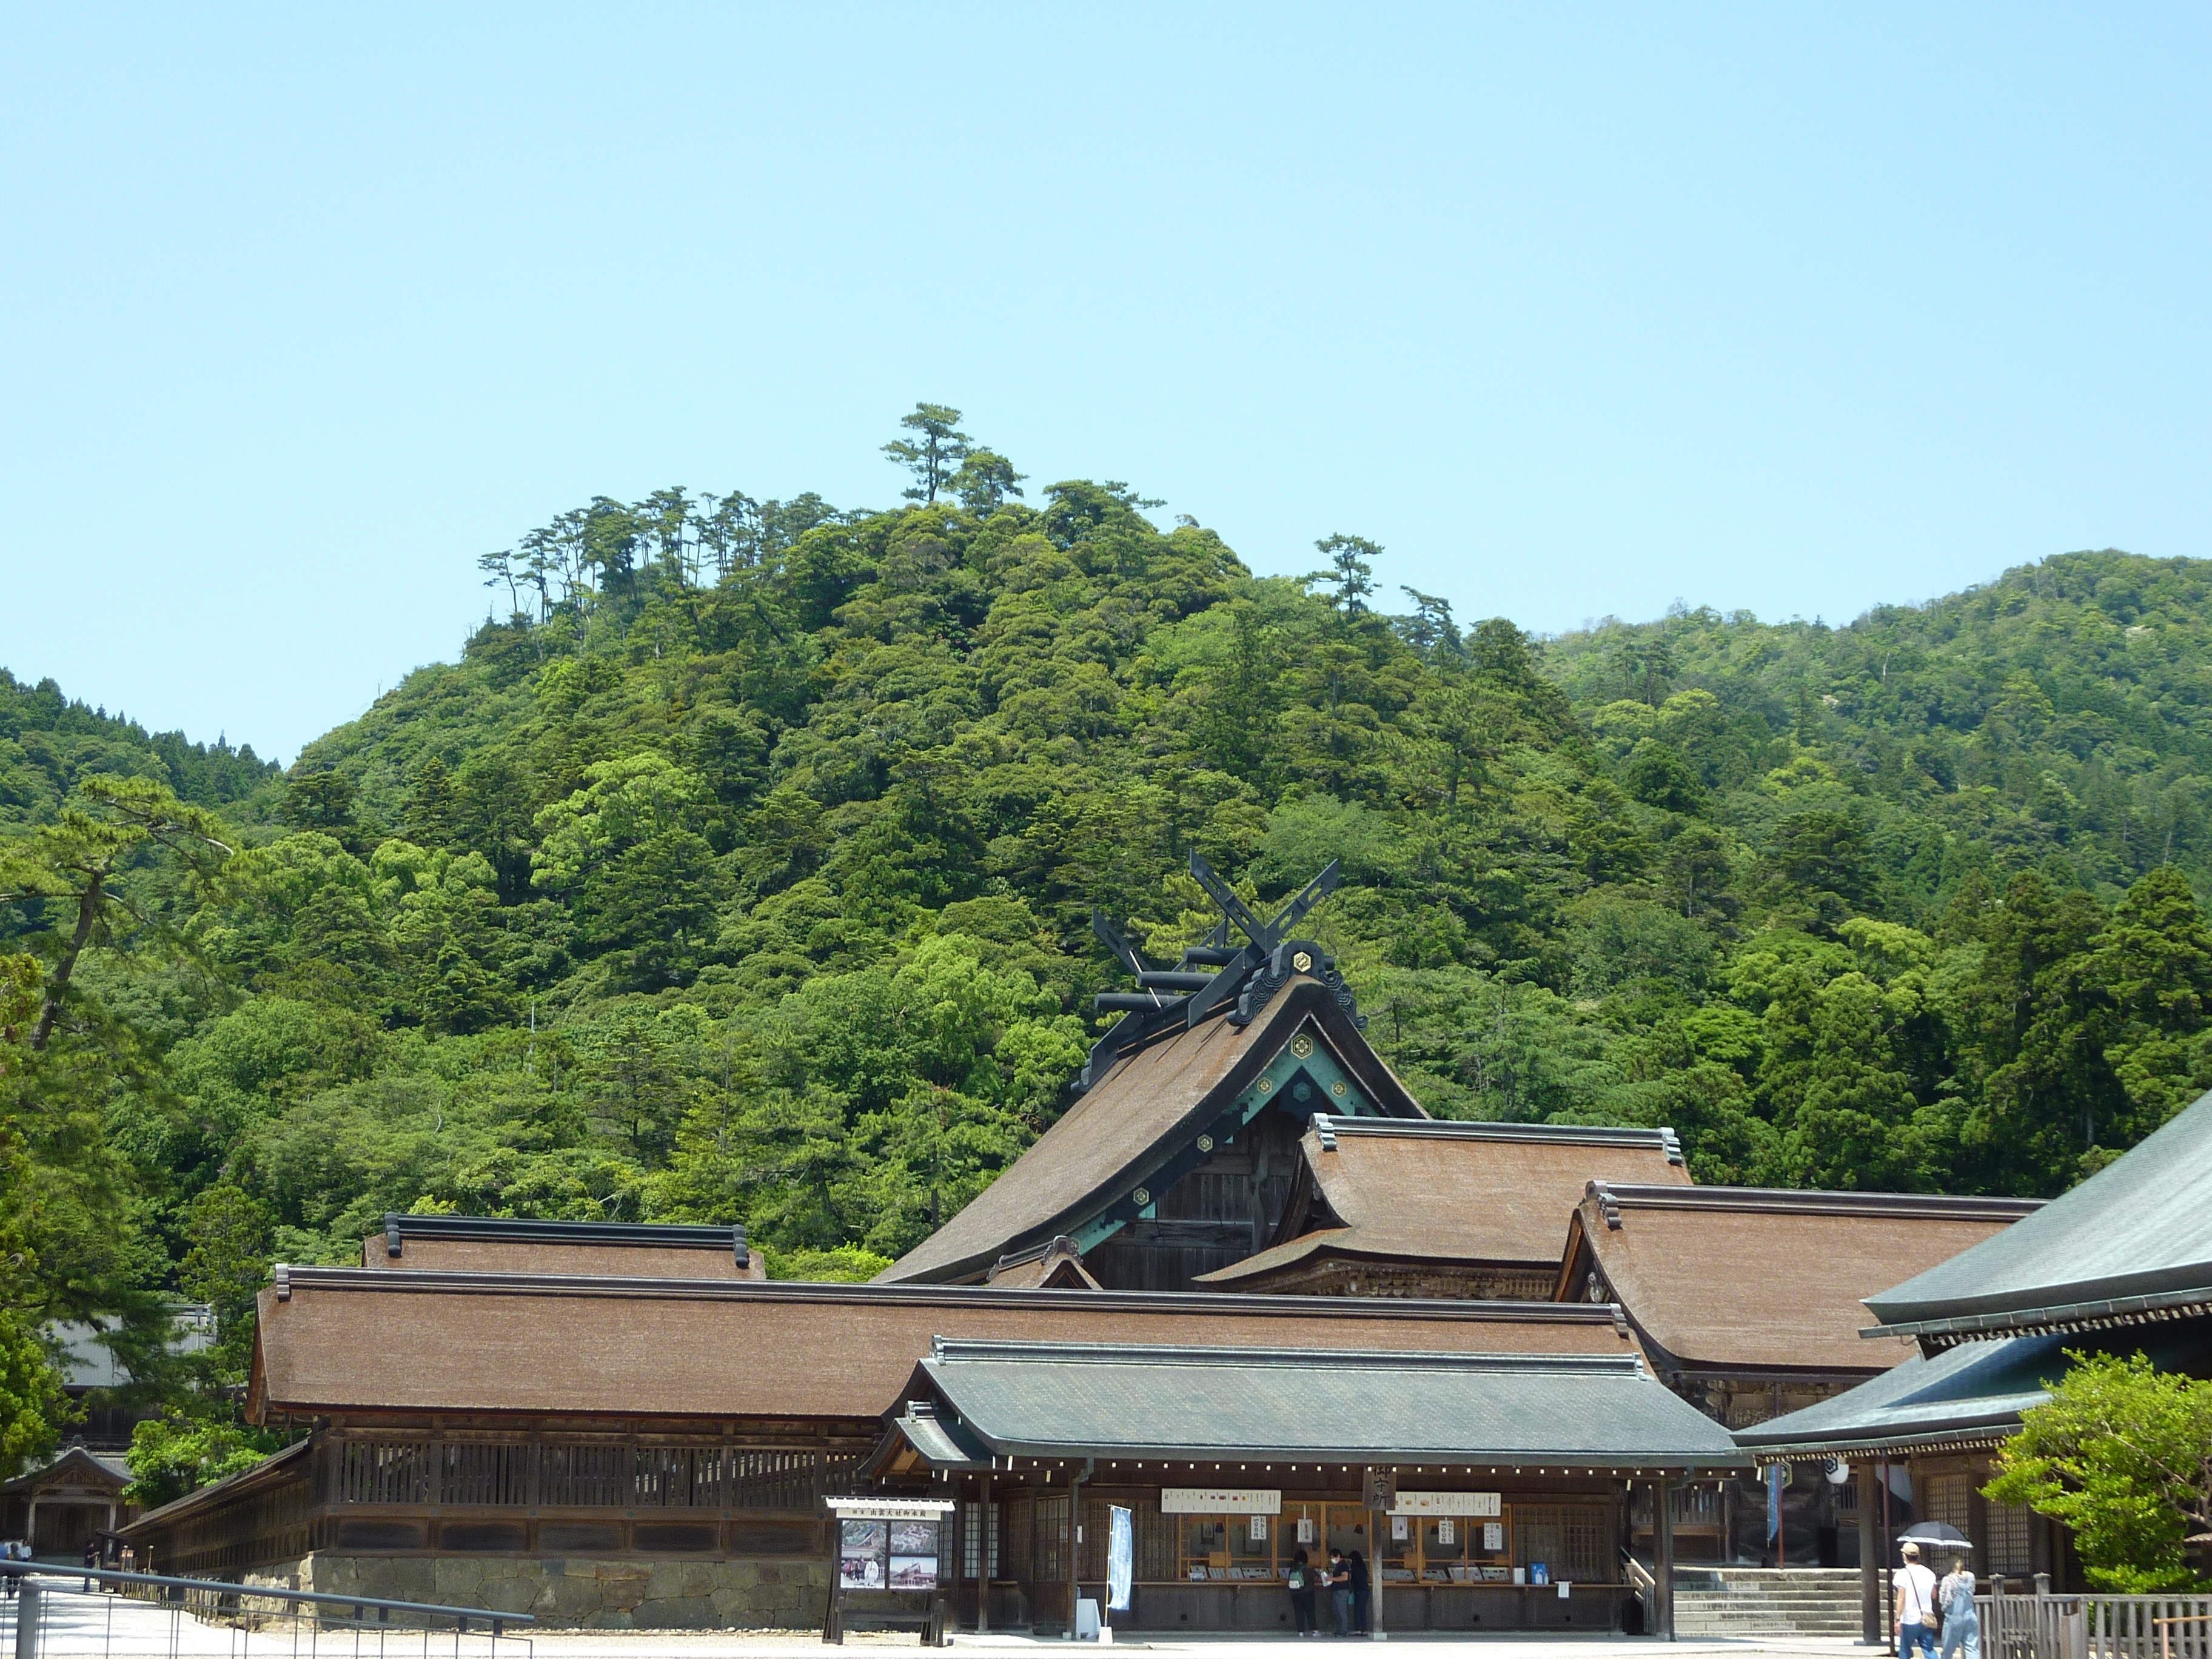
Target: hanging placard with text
<point>1448,1503</point>
<point>1221,1500</point>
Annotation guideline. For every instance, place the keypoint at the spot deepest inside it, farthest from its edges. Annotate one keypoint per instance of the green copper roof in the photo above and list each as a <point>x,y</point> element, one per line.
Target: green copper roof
<point>1967,1394</point>
<point>1294,1405</point>
<point>2133,1242</point>
<point>1974,1392</point>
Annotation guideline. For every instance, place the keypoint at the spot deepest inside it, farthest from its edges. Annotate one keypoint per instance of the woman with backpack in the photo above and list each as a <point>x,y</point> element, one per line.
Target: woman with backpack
<point>1303,1587</point>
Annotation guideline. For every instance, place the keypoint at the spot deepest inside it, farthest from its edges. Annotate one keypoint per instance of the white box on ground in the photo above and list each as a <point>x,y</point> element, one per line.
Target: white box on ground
<point>1086,1619</point>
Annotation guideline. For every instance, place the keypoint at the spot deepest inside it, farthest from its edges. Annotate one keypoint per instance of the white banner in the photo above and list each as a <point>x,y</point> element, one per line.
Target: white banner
<point>887,1509</point>
<point>1120,1556</point>
<point>1221,1500</point>
<point>1448,1503</point>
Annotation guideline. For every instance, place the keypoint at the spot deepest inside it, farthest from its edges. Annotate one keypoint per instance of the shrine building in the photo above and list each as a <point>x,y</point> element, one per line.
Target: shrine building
<point>1243,1289</point>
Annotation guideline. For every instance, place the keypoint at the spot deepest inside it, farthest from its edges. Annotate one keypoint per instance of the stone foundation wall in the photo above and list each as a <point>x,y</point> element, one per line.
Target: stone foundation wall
<point>571,1592</point>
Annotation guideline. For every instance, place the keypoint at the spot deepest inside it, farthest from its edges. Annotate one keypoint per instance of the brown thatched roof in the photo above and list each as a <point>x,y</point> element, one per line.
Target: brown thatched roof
<point>508,1244</point>
<point>1490,1192</point>
<point>1765,1280</point>
<point>346,1340</point>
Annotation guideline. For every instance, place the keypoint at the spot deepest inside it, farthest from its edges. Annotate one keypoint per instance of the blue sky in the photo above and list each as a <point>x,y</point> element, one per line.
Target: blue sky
<point>1577,310</point>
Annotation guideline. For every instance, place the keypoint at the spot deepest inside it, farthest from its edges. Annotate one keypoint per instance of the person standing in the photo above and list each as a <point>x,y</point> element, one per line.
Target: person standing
<point>1915,1605</point>
<point>1361,1592</point>
<point>1340,1591</point>
<point>1302,1595</point>
<point>1962,1625</point>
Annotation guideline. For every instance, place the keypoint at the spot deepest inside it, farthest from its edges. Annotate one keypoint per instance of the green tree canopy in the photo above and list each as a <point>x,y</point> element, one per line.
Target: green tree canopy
<point>2122,1454</point>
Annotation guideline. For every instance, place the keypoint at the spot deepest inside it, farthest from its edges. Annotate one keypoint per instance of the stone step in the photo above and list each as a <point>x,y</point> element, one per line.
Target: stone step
<point>1769,1602</point>
<point>1849,1614</point>
<point>1761,1627</point>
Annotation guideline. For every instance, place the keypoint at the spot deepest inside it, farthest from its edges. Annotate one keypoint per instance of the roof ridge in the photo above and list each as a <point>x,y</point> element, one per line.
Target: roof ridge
<point>1614,1196</point>
<point>291,1280</point>
<point>1328,1127</point>
<point>1036,1252</point>
<point>976,1349</point>
<point>398,1227</point>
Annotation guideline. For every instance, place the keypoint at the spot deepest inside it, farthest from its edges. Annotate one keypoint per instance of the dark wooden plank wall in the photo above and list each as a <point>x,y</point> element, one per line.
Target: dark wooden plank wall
<point>1222,1212</point>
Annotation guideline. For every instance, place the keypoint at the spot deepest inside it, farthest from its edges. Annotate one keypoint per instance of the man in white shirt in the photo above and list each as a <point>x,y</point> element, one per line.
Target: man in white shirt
<point>1916,1606</point>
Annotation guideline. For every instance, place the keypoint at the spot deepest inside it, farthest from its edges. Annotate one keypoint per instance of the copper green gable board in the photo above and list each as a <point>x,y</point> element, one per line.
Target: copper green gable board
<point>2132,1242</point>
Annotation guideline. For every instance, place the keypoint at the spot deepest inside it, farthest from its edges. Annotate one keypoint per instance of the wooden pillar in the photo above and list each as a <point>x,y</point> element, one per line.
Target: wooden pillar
<point>1888,1630</point>
<point>1377,1521</point>
<point>1870,1558</point>
<point>1074,1544</point>
<point>1663,1557</point>
<point>983,1530</point>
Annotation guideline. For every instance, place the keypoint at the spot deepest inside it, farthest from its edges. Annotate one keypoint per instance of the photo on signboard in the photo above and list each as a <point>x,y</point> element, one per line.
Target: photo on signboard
<point>914,1538</point>
<point>861,1571</point>
<point>914,1572</point>
<point>860,1548</point>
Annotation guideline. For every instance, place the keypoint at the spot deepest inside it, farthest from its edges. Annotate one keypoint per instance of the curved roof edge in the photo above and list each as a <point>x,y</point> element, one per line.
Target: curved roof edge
<point>2134,1235</point>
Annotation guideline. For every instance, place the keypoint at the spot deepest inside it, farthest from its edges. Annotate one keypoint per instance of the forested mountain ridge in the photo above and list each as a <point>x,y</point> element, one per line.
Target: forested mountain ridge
<point>744,871</point>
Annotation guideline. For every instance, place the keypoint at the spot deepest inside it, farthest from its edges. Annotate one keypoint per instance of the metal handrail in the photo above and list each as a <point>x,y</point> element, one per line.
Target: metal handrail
<point>267,1592</point>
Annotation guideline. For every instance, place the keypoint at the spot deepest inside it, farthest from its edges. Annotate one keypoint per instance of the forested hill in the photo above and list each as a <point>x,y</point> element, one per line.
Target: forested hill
<point>744,871</point>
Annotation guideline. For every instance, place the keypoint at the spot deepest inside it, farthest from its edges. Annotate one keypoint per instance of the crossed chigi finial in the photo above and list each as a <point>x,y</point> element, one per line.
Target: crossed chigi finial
<point>1186,991</point>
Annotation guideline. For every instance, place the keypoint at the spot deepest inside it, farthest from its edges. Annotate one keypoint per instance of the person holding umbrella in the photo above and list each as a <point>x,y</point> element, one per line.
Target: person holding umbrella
<point>1954,1596</point>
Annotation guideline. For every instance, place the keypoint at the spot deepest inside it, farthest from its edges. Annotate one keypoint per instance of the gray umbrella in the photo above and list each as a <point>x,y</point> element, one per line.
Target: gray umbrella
<point>1935,1535</point>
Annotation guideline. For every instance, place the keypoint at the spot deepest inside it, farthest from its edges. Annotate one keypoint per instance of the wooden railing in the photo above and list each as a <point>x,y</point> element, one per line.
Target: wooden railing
<point>604,1475</point>
<point>2093,1625</point>
<point>2148,1626</point>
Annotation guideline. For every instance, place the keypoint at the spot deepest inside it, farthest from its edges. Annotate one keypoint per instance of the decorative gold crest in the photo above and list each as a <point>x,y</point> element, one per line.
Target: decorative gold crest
<point>1302,961</point>
<point>1302,1045</point>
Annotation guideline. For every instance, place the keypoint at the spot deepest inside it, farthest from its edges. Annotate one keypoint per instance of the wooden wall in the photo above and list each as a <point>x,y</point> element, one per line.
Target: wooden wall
<point>1222,1212</point>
